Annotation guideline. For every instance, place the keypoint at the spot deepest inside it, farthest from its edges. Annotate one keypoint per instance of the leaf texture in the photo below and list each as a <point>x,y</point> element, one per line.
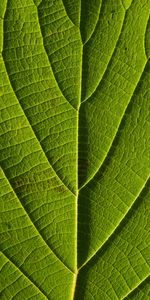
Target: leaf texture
<point>75,149</point>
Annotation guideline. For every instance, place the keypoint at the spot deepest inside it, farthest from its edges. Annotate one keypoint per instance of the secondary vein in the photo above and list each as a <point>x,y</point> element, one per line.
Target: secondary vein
<point>66,267</point>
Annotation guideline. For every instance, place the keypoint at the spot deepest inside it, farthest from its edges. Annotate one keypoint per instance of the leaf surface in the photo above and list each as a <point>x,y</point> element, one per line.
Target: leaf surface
<point>75,149</point>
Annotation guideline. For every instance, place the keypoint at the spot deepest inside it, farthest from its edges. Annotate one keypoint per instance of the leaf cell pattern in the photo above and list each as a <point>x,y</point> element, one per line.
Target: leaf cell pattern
<point>75,149</point>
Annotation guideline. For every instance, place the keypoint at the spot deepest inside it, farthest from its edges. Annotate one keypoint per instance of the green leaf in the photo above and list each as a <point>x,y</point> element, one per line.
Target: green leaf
<point>74,149</point>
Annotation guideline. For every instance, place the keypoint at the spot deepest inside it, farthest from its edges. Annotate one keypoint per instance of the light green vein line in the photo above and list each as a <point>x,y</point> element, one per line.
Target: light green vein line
<point>115,133</point>
<point>93,31</point>
<point>28,279</point>
<point>128,5</point>
<point>136,287</point>
<point>117,226</point>
<point>65,266</point>
<point>109,63</point>
<point>76,273</point>
<point>145,41</point>
<point>112,55</point>
<point>68,14</point>
<point>50,61</point>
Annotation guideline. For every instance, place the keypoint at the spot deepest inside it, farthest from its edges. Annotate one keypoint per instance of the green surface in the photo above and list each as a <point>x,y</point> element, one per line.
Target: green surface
<point>75,149</point>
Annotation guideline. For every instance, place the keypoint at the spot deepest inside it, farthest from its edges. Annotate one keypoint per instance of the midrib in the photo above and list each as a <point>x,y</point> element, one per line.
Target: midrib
<point>77,169</point>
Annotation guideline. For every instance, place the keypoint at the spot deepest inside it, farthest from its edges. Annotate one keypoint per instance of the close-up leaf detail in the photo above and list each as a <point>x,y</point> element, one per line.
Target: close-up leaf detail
<point>74,149</point>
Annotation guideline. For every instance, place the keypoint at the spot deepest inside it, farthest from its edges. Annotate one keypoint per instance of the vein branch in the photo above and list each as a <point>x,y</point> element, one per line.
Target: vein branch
<point>117,227</point>
<point>23,273</point>
<point>136,287</point>
<point>66,267</point>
